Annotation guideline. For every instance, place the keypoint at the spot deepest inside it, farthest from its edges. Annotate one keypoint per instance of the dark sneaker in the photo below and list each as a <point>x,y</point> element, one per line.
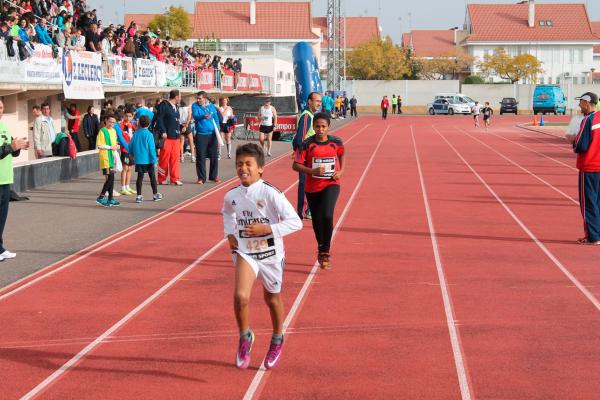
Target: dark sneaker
<point>112,203</point>
<point>157,197</point>
<point>242,359</point>
<point>139,199</point>
<point>324,260</point>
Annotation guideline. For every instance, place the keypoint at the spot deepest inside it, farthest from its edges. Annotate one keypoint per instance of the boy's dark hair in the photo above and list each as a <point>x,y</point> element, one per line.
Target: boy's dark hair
<point>252,150</point>
<point>144,121</point>
<point>324,116</point>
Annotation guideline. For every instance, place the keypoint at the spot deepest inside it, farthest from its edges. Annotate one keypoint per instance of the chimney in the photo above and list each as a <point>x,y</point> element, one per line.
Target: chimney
<point>531,19</point>
<point>252,12</point>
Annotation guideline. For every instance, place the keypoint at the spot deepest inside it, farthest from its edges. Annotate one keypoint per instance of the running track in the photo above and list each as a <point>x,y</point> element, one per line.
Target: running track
<point>455,277</point>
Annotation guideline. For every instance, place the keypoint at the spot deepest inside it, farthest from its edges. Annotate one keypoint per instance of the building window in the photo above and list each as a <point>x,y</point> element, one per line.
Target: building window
<point>541,80</point>
<point>278,88</point>
<point>288,76</point>
<point>580,56</point>
<point>279,74</point>
<point>571,56</point>
<point>558,80</point>
<point>575,80</point>
<point>556,55</point>
<point>266,46</point>
<point>238,47</point>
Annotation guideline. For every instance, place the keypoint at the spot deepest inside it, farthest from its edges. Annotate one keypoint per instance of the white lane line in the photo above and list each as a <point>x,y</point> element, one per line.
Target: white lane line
<point>524,227</point>
<point>536,152</point>
<point>461,369</point>
<point>255,384</point>
<point>535,137</point>
<point>114,238</point>
<point>110,331</point>
<point>518,166</point>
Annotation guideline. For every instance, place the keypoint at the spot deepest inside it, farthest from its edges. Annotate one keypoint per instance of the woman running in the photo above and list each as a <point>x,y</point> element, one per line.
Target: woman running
<point>227,126</point>
<point>321,158</point>
<point>268,120</point>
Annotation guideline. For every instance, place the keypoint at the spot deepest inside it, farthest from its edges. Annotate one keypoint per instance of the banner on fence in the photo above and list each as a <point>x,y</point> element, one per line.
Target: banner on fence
<point>145,73</point>
<point>42,66</point>
<point>255,84</point>
<point>126,71</point>
<point>174,75</point>
<point>82,75</point>
<point>285,123</point>
<point>227,82</point>
<point>206,78</point>
<point>111,70</point>
<point>161,72</point>
<point>242,82</point>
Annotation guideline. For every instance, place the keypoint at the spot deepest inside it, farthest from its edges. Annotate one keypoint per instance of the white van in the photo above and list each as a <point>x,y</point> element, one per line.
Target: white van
<point>457,98</point>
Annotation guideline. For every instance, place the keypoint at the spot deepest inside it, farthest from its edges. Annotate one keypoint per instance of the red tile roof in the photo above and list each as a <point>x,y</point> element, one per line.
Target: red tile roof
<point>429,43</point>
<point>596,30</point>
<point>508,23</point>
<point>142,20</point>
<point>359,30</point>
<point>274,20</point>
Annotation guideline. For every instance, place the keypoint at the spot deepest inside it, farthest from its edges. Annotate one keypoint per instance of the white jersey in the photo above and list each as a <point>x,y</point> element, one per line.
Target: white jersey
<point>266,116</point>
<point>476,110</point>
<point>259,203</point>
<point>184,113</point>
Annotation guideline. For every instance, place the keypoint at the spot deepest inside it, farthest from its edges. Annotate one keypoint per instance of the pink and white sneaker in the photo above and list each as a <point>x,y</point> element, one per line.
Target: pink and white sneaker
<point>242,359</point>
<point>273,355</point>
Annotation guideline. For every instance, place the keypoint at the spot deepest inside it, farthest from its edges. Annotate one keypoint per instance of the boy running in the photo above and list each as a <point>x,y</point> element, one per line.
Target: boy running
<point>487,115</point>
<point>106,142</point>
<point>256,216</point>
<point>321,158</point>
<point>476,110</point>
<point>143,148</point>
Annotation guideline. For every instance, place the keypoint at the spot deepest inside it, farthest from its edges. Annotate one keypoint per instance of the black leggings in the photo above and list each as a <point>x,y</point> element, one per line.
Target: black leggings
<point>322,206</point>
<point>109,185</point>
<point>140,180</point>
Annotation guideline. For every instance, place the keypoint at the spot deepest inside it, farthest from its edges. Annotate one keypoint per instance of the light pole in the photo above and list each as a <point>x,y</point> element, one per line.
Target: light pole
<point>592,70</point>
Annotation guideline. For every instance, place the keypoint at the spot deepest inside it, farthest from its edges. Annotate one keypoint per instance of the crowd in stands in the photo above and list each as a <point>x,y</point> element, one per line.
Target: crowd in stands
<point>72,25</point>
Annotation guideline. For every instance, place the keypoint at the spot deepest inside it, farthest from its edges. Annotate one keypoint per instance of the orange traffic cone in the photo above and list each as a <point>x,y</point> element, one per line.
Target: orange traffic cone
<point>535,122</point>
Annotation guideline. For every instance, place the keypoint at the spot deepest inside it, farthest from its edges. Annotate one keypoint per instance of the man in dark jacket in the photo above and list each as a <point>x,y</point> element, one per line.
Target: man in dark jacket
<point>91,127</point>
<point>166,122</point>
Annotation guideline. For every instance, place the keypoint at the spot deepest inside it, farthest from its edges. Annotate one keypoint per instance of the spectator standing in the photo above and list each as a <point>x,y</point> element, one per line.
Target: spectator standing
<point>107,143</point>
<point>143,148</point>
<point>345,105</point>
<point>385,105</point>
<point>9,148</point>
<point>107,45</point>
<point>92,39</point>
<point>73,117</point>
<point>79,40</point>
<point>394,104</point>
<point>304,131</point>
<point>206,120</point>
<point>353,103</point>
<point>185,119</point>
<point>41,33</point>
<point>399,105</point>
<point>124,136</point>
<point>44,133</point>
<point>167,127</point>
<point>91,126</point>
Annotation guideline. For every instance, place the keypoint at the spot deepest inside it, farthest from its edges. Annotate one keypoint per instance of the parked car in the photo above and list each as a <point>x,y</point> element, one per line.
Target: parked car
<point>509,105</point>
<point>448,106</point>
<point>549,99</point>
<point>457,97</point>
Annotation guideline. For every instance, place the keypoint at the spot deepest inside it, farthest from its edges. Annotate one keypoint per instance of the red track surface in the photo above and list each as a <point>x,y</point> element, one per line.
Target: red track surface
<point>521,297</point>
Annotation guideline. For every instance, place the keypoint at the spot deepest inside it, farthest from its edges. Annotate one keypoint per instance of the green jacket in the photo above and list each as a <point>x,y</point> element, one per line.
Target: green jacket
<point>6,155</point>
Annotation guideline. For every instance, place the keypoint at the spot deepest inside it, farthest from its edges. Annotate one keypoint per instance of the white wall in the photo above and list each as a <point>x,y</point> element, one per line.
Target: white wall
<point>413,93</point>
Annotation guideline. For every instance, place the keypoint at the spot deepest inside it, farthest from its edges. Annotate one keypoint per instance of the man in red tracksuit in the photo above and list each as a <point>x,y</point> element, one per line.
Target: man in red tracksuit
<point>587,146</point>
<point>385,105</point>
<point>167,127</point>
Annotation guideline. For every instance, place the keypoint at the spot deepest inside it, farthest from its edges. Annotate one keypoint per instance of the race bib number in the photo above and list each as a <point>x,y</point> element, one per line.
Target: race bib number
<point>328,163</point>
<point>260,248</point>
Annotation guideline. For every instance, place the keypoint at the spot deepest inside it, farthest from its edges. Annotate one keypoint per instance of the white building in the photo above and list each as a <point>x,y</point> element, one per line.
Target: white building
<point>559,35</point>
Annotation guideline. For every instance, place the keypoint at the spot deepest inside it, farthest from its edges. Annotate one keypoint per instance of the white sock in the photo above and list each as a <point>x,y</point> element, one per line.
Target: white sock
<point>229,148</point>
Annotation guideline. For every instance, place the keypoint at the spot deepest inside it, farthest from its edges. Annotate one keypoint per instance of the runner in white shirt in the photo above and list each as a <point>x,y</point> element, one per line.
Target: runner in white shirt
<point>227,125</point>
<point>268,120</point>
<point>185,131</point>
<point>476,110</point>
<point>256,216</point>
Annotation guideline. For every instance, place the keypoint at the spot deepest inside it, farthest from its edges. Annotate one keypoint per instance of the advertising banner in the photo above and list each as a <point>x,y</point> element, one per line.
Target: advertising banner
<point>227,82</point>
<point>173,75</point>
<point>145,73</point>
<point>243,82</point>
<point>126,71</point>
<point>206,78</point>
<point>285,123</point>
<point>42,66</point>
<point>82,75</point>
<point>161,71</point>
<point>111,74</point>
<point>255,82</point>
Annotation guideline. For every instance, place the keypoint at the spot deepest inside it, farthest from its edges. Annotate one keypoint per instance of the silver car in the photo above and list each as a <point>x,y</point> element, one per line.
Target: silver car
<point>448,106</point>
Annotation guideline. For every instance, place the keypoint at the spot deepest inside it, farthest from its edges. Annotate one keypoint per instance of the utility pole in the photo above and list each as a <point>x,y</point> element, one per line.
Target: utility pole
<point>334,44</point>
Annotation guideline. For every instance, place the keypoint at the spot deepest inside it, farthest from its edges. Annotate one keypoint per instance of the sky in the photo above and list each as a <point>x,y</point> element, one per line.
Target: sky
<point>395,16</point>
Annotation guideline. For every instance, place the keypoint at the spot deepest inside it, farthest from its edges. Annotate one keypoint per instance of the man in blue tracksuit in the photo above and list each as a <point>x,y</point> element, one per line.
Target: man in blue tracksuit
<point>305,130</point>
<point>206,121</point>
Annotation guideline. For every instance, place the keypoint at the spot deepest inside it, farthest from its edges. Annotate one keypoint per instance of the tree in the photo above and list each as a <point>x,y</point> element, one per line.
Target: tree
<point>473,80</point>
<point>378,60</point>
<point>513,69</point>
<point>450,64</point>
<point>175,21</point>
